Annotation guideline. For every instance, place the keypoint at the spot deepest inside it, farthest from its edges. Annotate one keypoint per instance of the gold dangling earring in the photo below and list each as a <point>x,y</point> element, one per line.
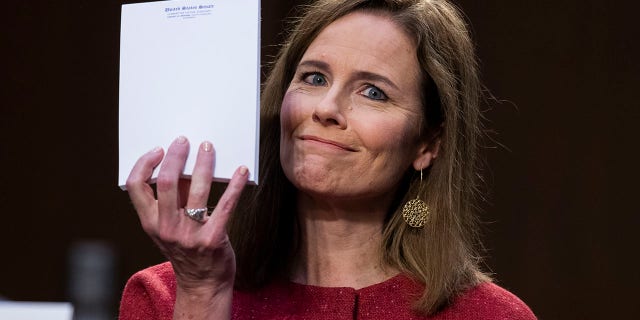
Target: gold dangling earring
<point>415,211</point>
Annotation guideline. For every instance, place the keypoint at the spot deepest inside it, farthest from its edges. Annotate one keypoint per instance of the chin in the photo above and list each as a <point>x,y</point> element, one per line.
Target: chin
<point>313,180</point>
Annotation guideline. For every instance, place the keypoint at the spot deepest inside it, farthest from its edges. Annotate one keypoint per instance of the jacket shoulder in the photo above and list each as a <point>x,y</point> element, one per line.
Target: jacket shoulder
<point>149,294</point>
<point>488,301</point>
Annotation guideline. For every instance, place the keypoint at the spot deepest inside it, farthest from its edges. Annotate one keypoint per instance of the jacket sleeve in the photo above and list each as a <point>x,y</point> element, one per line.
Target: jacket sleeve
<point>149,294</point>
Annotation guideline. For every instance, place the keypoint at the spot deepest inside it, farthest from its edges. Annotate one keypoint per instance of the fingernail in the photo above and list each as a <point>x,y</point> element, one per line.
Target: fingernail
<point>243,170</point>
<point>156,149</point>
<point>206,146</point>
<point>181,140</point>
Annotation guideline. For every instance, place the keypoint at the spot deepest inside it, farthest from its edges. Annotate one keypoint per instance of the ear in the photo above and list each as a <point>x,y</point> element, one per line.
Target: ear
<point>427,151</point>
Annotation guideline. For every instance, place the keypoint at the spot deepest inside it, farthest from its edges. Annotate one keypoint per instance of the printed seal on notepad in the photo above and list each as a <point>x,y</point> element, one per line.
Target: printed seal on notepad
<point>189,12</point>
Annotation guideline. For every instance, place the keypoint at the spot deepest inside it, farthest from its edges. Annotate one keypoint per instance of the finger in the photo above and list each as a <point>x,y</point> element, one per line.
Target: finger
<point>229,199</point>
<point>183,191</point>
<point>137,184</point>
<point>201,177</point>
<point>168,177</point>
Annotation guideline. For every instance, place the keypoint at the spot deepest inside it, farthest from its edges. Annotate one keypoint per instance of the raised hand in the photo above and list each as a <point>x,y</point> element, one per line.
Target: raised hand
<point>199,251</point>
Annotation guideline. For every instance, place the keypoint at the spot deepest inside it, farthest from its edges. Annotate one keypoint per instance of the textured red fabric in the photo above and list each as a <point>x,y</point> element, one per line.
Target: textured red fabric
<point>150,294</point>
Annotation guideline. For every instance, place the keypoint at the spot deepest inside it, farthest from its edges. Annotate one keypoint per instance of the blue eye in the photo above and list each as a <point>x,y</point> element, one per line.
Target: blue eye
<point>315,79</point>
<point>374,93</point>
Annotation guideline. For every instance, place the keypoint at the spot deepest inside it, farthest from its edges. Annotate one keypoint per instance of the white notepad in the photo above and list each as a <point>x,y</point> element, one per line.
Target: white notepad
<point>35,310</point>
<point>191,68</point>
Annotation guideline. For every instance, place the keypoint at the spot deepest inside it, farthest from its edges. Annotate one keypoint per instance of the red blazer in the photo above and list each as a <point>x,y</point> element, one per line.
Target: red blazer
<point>151,293</point>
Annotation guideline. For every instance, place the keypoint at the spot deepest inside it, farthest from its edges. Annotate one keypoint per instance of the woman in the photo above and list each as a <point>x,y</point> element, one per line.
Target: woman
<point>368,208</point>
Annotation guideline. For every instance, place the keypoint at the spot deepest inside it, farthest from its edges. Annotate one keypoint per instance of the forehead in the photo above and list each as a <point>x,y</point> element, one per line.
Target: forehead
<point>363,37</point>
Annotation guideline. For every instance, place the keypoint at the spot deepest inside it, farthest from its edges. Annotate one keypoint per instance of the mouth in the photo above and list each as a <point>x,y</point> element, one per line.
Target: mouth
<point>327,142</point>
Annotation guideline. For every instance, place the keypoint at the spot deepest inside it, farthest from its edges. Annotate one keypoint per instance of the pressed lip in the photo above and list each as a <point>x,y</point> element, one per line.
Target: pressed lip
<point>331,142</point>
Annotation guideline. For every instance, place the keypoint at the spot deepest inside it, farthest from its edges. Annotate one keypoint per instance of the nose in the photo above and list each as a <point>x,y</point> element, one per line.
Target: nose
<point>329,110</point>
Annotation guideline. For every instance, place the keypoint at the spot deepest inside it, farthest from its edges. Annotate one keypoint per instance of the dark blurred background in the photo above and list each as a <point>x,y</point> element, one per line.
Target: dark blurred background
<point>561,224</point>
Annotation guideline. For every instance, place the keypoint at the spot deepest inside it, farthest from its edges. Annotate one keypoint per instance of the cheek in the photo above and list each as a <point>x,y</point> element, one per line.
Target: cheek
<point>290,114</point>
<point>291,118</point>
<point>385,135</point>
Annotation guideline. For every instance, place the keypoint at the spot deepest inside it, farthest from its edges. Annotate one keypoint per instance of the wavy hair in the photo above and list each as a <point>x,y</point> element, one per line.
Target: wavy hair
<point>443,254</point>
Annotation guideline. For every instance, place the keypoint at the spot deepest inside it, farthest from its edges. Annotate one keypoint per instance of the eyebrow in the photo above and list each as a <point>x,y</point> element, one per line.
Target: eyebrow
<point>366,75</point>
<point>316,64</point>
<point>370,76</point>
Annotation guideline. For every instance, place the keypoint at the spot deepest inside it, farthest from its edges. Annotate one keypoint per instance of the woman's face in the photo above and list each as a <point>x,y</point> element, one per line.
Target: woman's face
<point>350,117</point>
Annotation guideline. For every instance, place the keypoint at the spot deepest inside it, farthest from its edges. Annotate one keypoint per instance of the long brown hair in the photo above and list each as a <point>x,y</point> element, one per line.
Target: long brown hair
<point>442,255</point>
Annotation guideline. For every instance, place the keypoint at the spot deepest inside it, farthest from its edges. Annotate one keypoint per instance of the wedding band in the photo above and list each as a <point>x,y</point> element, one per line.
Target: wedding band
<point>197,214</point>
